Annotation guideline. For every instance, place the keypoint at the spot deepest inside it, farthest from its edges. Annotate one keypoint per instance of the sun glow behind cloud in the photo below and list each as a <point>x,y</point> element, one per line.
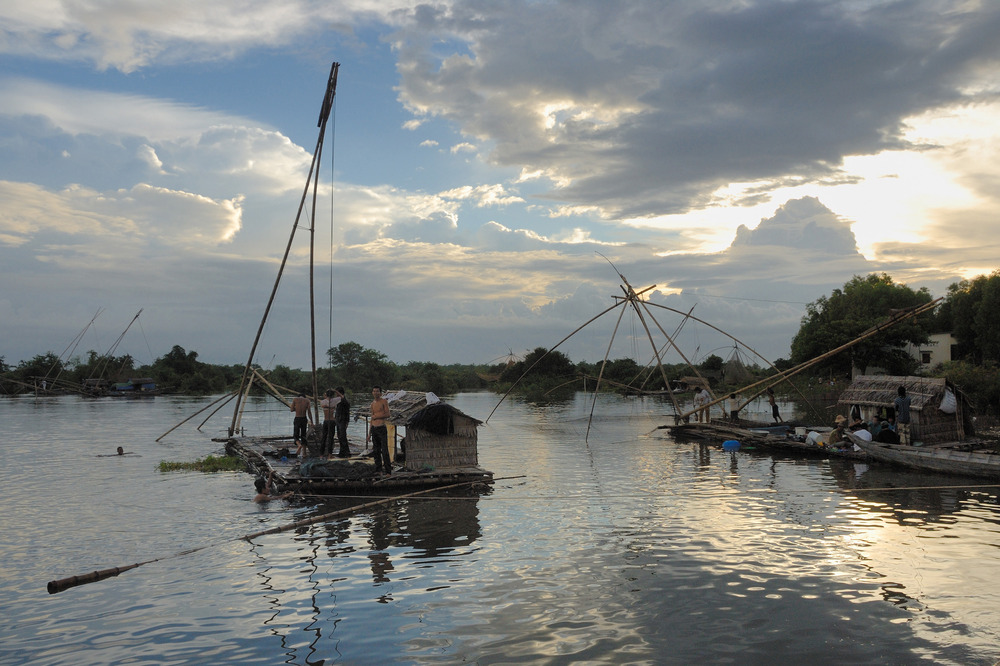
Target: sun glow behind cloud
<point>895,196</point>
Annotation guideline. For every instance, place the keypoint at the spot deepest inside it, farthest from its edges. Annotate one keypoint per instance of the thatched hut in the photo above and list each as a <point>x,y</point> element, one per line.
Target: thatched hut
<point>436,434</point>
<point>939,411</point>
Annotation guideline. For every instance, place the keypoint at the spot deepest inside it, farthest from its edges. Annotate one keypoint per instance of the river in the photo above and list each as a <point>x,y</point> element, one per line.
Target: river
<point>617,546</point>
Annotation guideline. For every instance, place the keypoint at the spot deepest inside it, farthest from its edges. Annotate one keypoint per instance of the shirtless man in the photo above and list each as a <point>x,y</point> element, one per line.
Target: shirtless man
<point>378,433</point>
<point>329,407</point>
<point>300,424</point>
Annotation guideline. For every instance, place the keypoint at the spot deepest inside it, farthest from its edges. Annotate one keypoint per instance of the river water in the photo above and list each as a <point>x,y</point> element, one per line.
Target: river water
<point>621,546</point>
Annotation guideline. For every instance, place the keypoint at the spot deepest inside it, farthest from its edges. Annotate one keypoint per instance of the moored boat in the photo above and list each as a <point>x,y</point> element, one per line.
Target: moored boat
<point>964,458</point>
<point>768,437</point>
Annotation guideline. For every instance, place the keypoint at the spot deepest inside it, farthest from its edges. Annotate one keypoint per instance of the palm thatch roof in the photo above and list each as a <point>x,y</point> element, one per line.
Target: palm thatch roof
<point>881,390</point>
<point>413,408</point>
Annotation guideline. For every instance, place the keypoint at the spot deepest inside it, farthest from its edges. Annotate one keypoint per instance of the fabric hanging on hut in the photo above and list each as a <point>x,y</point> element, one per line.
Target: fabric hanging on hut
<point>949,404</point>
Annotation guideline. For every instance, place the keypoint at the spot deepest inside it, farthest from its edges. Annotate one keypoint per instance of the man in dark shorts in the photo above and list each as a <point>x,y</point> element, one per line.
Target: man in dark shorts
<point>378,433</point>
<point>300,424</point>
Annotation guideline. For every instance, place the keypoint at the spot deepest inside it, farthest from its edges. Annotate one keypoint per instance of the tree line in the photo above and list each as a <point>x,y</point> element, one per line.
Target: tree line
<point>970,312</point>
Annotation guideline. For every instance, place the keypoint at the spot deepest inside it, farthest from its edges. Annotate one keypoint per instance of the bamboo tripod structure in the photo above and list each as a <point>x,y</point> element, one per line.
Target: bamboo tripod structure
<point>633,299</point>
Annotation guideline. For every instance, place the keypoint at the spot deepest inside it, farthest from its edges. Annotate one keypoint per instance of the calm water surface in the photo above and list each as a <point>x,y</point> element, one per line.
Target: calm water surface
<point>625,548</point>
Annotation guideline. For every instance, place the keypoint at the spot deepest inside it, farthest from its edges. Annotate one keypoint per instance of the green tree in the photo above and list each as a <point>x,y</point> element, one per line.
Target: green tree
<point>986,322</point>
<point>832,321</point>
<point>361,368</point>
<point>547,366</point>
<point>418,376</point>
<point>42,365</point>
<point>971,313</point>
<point>712,363</point>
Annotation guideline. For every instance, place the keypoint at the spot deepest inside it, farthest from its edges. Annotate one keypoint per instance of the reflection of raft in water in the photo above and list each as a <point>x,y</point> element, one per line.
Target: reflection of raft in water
<point>441,449</point>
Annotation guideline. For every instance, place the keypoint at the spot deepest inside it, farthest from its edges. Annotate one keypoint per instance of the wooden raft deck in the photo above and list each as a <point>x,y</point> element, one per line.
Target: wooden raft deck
<point>354,476</point>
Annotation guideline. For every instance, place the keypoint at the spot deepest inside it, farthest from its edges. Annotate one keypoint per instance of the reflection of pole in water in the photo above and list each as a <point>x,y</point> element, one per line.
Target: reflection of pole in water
<point>315,625</point>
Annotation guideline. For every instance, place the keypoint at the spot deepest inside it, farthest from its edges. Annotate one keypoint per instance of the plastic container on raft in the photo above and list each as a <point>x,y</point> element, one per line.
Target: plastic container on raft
<point>730,445</point>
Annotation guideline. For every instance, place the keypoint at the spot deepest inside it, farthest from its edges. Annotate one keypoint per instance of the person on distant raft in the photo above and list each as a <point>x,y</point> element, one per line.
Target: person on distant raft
<point>902,405</point>
<point>774,405</point>
<point>734,408</point>
<point>378,434</point>
<point>300,424</point>
<point>836,435</point>
<point>342,418</point>
<point>329,407</point>
<point>702,399</point>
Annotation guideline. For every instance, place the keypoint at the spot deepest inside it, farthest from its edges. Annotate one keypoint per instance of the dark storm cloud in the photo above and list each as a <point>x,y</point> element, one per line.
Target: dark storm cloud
<point>670,101</point>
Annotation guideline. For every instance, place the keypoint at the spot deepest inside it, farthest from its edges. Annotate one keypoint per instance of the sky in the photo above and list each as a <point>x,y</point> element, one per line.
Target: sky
<point>491,171</point>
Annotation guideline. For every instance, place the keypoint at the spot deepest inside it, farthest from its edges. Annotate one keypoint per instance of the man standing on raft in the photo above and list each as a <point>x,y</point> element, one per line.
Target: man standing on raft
<point>300,424</point>
<point>378,434</point>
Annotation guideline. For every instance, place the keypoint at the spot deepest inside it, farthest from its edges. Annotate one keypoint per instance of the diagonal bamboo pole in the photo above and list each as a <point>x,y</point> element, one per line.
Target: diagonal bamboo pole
<point>892,320</point>
<point>313,168</point>
<point>550,350</point>
<point>228,395</point>
<point>600,374</point>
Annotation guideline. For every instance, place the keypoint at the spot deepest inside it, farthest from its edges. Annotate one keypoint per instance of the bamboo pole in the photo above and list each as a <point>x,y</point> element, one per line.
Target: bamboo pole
<point>216,410</point>
<point>550,350</point>
<point>228,395</point>
<point>597,386</point>
<point>791,372</point>
<point>275,391</point>
<point>313,167</point>
<point>241,406</point>
<point>659,360</point>
<point>56,586</point>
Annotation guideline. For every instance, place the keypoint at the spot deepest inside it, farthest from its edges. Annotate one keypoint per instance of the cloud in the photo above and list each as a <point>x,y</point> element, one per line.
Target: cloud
<point>483,195</point>
<point>92,226</point>
<point>131,35</point>
<point>649,109</point>
<point>744,157</point>
<point>803,224</point>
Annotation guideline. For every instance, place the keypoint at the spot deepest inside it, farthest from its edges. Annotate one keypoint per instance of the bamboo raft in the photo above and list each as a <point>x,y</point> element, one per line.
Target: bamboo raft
<point>352,476</point>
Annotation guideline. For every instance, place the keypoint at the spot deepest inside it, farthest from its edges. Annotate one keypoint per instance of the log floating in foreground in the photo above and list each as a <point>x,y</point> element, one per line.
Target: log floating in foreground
<point>94,576</point>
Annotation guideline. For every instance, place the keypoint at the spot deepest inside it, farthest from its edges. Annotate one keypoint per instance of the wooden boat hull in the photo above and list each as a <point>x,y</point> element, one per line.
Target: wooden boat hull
<point>943,459</point>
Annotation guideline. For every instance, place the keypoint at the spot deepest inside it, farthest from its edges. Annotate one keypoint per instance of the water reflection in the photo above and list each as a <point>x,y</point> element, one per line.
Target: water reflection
<point>394,541</point>
<point>624,548</point>
<point>911,497</point>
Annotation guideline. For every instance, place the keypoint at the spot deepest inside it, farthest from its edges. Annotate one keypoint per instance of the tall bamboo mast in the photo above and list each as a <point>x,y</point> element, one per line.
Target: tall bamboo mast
<point>311,178</point>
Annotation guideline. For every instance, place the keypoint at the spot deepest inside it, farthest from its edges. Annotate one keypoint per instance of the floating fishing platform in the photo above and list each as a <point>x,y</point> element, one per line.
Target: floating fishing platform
<point>348,476</point>
<point>438,447</point>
